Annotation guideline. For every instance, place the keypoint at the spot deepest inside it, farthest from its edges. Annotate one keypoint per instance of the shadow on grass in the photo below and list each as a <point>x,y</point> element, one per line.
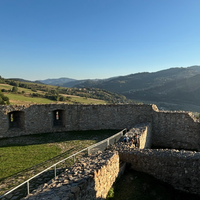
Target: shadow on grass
<point>45,138</point>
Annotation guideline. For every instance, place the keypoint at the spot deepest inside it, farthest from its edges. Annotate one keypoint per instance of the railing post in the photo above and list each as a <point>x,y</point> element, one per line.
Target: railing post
<point>28,191</point>
<point>55,171</point>
<point>74,159</point>
<point>107,142</point>
<point>88,150</point>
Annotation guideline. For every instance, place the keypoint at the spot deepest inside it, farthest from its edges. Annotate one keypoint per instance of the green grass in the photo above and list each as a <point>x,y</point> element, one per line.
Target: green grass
<point>17,158</point>
<point>5,86</point>
<point>9,87</point>
<point>22,99</point>
<point>23,152</point>
<point>86,101</point>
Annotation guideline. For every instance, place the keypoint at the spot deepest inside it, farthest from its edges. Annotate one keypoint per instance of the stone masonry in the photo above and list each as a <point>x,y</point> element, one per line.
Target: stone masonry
<point>169,129</point>
<point>160,129</point>
<point>181,169</point>
<point>90,179</point>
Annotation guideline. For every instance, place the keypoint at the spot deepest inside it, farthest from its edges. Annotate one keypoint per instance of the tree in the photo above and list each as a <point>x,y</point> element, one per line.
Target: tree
<point>4,100</point>
<point>2,80</point>
<point>62,98</point>
<point>14,83</point>
<point>14,89</point>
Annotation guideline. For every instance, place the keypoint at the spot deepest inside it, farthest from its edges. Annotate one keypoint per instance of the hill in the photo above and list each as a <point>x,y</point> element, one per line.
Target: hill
<point>56,82</point>
<point>68,82</point>
<point>23,80</point>
<point>185,90</point>
<point>28,92</point>
<point>174,87</point>
<point>144,80</point>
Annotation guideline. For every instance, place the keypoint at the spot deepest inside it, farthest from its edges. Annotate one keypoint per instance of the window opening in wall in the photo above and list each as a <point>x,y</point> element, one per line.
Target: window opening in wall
<point>57,115</point>
<point>11,117</point>
<point>16,119</point>
<point>58,118</point>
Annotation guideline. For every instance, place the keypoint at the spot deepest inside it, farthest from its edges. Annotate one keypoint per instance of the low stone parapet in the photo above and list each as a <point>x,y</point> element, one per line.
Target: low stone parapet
<point>90,178</point>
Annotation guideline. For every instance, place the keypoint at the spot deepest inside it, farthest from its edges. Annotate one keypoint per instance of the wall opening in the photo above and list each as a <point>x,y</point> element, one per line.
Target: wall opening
<point>58,118</point>
<point>16,119</point>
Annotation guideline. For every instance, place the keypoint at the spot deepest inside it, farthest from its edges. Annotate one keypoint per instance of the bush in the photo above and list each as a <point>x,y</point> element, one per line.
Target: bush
<point>34,90</point>
<point>4,100</point>
<point>62,98</point>
<point>110,193</point>
<point>14,89</point>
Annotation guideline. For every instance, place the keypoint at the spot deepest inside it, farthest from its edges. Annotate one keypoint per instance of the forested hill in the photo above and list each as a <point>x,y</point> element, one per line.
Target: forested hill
<point>185,90</point>
<point>179,86</point>
<point>144,80</point>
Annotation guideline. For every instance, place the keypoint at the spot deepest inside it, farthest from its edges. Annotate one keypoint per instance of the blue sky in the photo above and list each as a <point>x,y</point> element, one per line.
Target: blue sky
<point>82,39</point>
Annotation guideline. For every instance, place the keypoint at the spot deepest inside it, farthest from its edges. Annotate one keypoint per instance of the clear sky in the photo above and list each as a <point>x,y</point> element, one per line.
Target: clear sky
<point>82,39</point>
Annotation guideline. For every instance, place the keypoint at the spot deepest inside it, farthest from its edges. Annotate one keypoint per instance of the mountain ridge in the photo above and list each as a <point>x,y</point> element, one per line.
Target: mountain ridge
<point>174,85</point>
<point>144,80</point>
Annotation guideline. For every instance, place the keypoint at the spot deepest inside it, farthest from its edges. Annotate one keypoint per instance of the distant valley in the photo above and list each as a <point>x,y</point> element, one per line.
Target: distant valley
<point>173,88</point>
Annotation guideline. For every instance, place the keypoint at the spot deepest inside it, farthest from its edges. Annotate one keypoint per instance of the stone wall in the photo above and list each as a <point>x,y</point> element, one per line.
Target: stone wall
<point>145,136</point>
<point>181,169</point>
<point>179,130</point>
<point>91,178</point>
<point>144,132</point>
<point>39,118</point>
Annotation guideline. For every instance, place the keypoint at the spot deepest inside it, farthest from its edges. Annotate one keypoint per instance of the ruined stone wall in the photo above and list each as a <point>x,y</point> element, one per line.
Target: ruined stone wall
<point>145,137</point>
<point>91,178</point>
<point>169,129</point>
<point>144,132</point>
<point>178,130</point>
<point>181,169</point>
<point>39,118</point>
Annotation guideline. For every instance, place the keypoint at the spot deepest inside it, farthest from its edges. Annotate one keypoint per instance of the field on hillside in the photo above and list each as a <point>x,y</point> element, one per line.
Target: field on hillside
<point>24,96</point>
<point>21,99</point>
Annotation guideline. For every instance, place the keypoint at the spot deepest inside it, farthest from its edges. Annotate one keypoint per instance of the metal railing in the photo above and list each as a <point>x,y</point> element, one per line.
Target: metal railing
<point>100,146</point>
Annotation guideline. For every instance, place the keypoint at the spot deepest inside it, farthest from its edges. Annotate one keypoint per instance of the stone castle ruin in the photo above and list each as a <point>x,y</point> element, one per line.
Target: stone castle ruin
<point>169,144</point>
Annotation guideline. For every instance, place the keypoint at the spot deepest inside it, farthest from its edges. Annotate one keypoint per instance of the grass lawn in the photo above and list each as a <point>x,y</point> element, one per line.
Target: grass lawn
<point>17,158</point>
<point>20,153</point>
